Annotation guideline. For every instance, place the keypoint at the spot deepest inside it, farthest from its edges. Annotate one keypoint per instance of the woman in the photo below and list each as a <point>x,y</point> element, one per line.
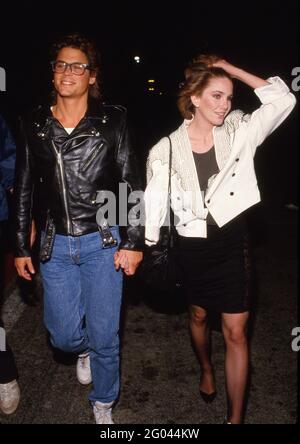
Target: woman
<point>213,183</point>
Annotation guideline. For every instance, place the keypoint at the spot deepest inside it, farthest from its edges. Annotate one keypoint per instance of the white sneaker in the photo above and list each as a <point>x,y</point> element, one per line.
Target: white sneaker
<point>83,369</point>
<point>102,412</point>
<point>9,397</point>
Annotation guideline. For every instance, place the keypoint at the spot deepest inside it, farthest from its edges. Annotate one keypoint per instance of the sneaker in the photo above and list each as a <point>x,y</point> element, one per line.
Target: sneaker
<point>83,369</point>
<point>9,397</point>
<point>102,412</point>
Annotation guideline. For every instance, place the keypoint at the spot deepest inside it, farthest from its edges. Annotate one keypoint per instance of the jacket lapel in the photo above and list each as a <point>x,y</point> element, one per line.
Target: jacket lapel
<point>223,140</point>
<point>187,165</point>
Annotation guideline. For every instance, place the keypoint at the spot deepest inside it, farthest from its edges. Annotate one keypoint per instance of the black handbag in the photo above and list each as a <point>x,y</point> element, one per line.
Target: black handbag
<point>159,268</point>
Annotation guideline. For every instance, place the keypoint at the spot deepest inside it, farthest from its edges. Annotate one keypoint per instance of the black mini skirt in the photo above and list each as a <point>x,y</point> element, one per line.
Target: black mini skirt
<point>216,269</point>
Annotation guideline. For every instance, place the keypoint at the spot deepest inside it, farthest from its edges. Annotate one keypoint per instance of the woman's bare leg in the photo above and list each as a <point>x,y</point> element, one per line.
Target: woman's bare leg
<point>236,362</point>
<point>200,333</point>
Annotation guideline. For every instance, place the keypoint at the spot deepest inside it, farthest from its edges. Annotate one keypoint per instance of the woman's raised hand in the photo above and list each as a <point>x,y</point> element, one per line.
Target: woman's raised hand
<point>228,67</point>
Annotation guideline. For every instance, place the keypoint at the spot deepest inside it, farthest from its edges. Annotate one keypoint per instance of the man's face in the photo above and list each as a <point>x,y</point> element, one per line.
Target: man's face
<point>68,84</point>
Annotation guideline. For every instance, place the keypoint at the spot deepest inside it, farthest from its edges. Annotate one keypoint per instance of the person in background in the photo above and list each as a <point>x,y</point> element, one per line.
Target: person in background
<point>9,387</point>
<point>213,184</point>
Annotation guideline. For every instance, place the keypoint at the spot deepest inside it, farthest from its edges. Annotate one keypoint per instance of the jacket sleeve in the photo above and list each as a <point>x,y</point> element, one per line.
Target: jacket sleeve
<point>7,156</point>
<point>23,195</point>
<point>277,103</point>
<point>132,235</point>
<point>156,193</point>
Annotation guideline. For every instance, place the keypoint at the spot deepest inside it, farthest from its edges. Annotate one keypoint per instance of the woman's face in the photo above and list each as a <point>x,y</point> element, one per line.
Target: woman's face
<point>214,103</point>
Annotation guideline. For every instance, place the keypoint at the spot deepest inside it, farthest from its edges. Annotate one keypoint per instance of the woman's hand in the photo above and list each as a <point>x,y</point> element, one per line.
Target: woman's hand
<point>228,67</point>
<point>238,73</point>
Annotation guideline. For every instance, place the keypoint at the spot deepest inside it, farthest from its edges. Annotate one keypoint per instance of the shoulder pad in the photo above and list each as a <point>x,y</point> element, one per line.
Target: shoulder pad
<point>234,118</point>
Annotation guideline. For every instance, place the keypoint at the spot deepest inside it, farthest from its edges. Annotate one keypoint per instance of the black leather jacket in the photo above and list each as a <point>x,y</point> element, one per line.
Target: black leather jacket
<point>60,174</point>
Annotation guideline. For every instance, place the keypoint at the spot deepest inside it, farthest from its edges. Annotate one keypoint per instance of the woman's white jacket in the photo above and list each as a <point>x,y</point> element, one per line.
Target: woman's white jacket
<point>233,189</point>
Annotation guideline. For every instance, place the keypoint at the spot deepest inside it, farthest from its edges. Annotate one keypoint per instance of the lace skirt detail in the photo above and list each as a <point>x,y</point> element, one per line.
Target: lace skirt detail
<point>217,269</point>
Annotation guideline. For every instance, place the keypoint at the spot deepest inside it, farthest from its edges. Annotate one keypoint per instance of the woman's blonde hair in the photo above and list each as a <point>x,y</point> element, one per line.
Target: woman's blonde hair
<point>197,76</point>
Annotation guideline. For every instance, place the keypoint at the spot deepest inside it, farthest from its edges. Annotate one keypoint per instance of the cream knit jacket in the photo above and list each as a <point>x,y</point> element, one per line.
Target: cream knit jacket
<point>234,188</point>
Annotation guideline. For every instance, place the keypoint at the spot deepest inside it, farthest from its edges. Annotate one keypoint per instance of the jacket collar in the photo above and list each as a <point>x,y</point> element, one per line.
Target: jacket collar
<point>95,110</point>
<point>222,150</point>
<point>43,117</point>
<point>222,135</point>
<point>220,138</point>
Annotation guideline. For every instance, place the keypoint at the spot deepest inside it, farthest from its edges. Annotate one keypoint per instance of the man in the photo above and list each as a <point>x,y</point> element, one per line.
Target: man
<point>9,388</point>
<point>67,153</point>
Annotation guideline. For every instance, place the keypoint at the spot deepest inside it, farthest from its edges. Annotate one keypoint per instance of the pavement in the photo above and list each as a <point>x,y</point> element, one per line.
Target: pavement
<point>159,371</point>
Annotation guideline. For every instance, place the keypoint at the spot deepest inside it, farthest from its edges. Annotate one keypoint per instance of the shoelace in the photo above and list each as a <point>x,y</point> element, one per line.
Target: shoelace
<point>103,415</point>
<point>83,361</point>
<point>6,390</point>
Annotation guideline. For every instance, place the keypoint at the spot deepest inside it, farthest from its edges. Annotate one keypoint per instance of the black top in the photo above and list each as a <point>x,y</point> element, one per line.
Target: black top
<point>206,166</point>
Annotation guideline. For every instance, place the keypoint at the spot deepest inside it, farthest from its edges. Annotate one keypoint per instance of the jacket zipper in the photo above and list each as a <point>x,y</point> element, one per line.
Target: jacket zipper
<point>80,136</point>
<point>61,169</point>
<point>91,157</point>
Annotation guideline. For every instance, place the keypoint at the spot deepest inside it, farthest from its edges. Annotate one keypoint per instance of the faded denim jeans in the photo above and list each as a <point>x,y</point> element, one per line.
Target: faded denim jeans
<point>82,300</point>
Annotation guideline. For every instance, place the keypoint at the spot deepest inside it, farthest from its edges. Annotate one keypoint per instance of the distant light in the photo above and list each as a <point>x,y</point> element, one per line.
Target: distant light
<point>137,59</point>
<point>151,89</point>
<point>160,93</point>
<point>151,81</point>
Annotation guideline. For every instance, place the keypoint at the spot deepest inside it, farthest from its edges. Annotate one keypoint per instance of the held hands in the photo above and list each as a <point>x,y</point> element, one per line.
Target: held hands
<point>128,260</point>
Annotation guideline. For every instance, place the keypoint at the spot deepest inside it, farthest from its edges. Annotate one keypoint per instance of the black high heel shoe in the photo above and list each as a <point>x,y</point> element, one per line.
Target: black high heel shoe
<point>208,398</point>
<point>226,421</point>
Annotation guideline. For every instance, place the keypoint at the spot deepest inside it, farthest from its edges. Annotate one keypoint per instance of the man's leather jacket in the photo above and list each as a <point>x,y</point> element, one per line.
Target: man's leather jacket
<point>60,174</point>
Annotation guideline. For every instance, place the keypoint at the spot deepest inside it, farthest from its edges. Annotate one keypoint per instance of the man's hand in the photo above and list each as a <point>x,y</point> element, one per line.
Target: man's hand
<point>128,260</point>
<point>24,267</point>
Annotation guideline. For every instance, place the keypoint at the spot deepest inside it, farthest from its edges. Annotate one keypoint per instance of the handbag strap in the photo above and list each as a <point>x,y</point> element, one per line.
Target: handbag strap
<point>170,167</point>
<point>169,192</point>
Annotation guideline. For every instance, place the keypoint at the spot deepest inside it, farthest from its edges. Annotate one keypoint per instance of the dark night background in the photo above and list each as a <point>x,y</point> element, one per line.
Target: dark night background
<point>261,37</point>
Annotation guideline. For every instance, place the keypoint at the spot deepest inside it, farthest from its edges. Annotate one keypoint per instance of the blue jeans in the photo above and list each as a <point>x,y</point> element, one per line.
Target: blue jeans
<point>82,300</point>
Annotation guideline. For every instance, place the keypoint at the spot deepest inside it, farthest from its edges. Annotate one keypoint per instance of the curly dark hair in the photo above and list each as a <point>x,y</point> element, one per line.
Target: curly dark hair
<point>197,76</point>
<point>88,47</point>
